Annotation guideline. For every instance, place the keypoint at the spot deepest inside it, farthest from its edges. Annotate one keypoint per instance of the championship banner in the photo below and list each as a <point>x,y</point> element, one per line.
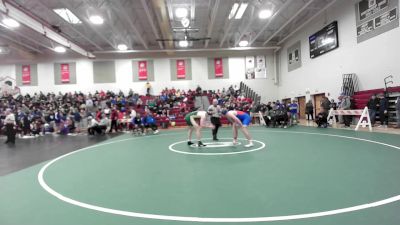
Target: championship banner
<point>250,67</point>
<point>260,71</point>
<point>180,69</point>
<point>142,70</point>
<point>65,73</point>
<point>26,74</point>
<point>218,67</point>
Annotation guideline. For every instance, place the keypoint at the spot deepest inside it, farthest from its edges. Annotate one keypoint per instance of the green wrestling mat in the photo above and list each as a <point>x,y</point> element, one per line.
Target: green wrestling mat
<point>292,176</point>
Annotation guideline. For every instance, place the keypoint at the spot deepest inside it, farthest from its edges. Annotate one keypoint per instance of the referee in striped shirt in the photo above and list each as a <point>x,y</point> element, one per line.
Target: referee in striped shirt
<point>215,111</point>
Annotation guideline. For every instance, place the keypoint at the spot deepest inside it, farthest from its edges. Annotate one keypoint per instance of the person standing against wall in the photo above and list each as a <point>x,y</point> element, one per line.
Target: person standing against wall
<point>9,122</point>
<point>383,110</point>
<point>334,107</point>
<point>114,119</point>
<point>148,87</point>
<point>310,110</point>
<point>372,108</point>
<point>325,104</point>
<point>345,105</point>
<point>215,111</point>
<point>398,112</point>
<point>293,108</point>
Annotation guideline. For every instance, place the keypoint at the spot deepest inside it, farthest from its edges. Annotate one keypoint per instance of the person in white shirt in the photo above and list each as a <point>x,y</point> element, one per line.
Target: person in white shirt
<point>9,121</point>
<point>98,127</point>
<point>104,123</point>
<point>92,125</point>
<point>89,105</point>
<point>133,114</point>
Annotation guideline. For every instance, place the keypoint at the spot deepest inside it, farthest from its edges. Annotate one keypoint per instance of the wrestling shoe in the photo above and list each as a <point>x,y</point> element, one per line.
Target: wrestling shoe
<point>235,142</point>
<point>249,145</point>
<point>200,144</point>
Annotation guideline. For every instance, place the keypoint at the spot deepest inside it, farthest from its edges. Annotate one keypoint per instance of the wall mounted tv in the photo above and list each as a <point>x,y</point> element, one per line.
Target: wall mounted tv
<point>324,40</point>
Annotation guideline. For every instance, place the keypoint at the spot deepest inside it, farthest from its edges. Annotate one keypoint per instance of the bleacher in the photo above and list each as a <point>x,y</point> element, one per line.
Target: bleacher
<point>198,102</point>
<point>361,99</point>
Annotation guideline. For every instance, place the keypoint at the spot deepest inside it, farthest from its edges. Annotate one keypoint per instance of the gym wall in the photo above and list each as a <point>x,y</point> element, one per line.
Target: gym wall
<point>124,76</point>
<point>370,60</point>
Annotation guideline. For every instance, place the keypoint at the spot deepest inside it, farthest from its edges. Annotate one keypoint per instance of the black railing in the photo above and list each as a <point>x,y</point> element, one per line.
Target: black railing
<point>249,93</point>
<point>350,84</point>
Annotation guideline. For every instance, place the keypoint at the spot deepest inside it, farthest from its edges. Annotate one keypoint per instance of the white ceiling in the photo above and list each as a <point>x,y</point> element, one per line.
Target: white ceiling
<point>138,23</point>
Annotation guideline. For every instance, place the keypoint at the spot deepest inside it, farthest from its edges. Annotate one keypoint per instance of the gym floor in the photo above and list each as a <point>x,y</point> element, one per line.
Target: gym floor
<point>302,175</point>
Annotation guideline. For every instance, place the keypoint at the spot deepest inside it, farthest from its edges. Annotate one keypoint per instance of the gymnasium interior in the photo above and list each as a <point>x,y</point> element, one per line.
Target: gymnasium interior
<point>161,112</point>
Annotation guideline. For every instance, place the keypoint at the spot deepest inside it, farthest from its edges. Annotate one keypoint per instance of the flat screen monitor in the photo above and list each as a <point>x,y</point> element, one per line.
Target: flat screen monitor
<point>325,40</point>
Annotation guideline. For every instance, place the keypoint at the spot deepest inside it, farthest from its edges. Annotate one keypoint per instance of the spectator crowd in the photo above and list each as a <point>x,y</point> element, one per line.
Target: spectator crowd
<point>106,111</point>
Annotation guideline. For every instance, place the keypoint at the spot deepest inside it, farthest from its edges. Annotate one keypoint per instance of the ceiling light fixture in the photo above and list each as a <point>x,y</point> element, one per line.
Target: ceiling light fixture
<point>67,15</point>
<point>185,22</point>
<point>11,23</point>
<point>181,12</point>
<point>233,10</point>
<point>265,14</point>
<point>183,44</point>
<point>243,43</point>
<point>96,19</point>
<point>241,11</point>
<point>60,49</point>
<point>4,49</point>
<point>122,47</point>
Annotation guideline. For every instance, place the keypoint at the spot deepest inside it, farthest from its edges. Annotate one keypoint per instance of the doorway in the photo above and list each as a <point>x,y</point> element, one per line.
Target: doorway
<point>302,106</point>
<point>286,101</point>
<point>317,103</point>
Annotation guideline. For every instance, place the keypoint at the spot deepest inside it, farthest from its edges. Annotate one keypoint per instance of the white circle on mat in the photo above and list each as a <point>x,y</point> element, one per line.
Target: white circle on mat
<point>66,199</point>
<point>197,150</point>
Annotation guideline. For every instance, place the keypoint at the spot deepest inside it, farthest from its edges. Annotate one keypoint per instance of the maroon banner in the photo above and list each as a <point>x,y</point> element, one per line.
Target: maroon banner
<point>218,67</point>
<point>26,74</point>
<point>65,73</point>
<point>142,70</point>
<point>180,69</point>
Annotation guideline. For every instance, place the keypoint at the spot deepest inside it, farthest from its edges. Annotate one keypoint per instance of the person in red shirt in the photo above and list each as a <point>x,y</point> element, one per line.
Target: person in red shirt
<point>98,115</point>
<point>114,119</point>
<point>102,94</point>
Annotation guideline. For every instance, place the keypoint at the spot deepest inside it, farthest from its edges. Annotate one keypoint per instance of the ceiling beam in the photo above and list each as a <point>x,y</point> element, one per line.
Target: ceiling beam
<point>164,20</point>
<point>283,7</point>
<point>26,37</point>
<point>192,10</point>
<point>122,11</point>
<point>170,11</point>
<point>19,14</point>
<point>87,23</point>
<point>289,21</point>
<point>244,31</point>
<point>71,27</point>
<point>214,12</point>
<point>33,40</point>
<point>308,21</point>
<point>8,38</point>
<point>191,50</point>
<point>151,21</point>
<point>228,25</point>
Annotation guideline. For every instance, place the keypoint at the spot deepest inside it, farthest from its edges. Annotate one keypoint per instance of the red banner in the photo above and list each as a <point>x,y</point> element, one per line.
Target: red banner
<point>142,70</point>
<point>180,69</point>
<point>65,73</point>
<point>26,74</point>
<point>218,67</point>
